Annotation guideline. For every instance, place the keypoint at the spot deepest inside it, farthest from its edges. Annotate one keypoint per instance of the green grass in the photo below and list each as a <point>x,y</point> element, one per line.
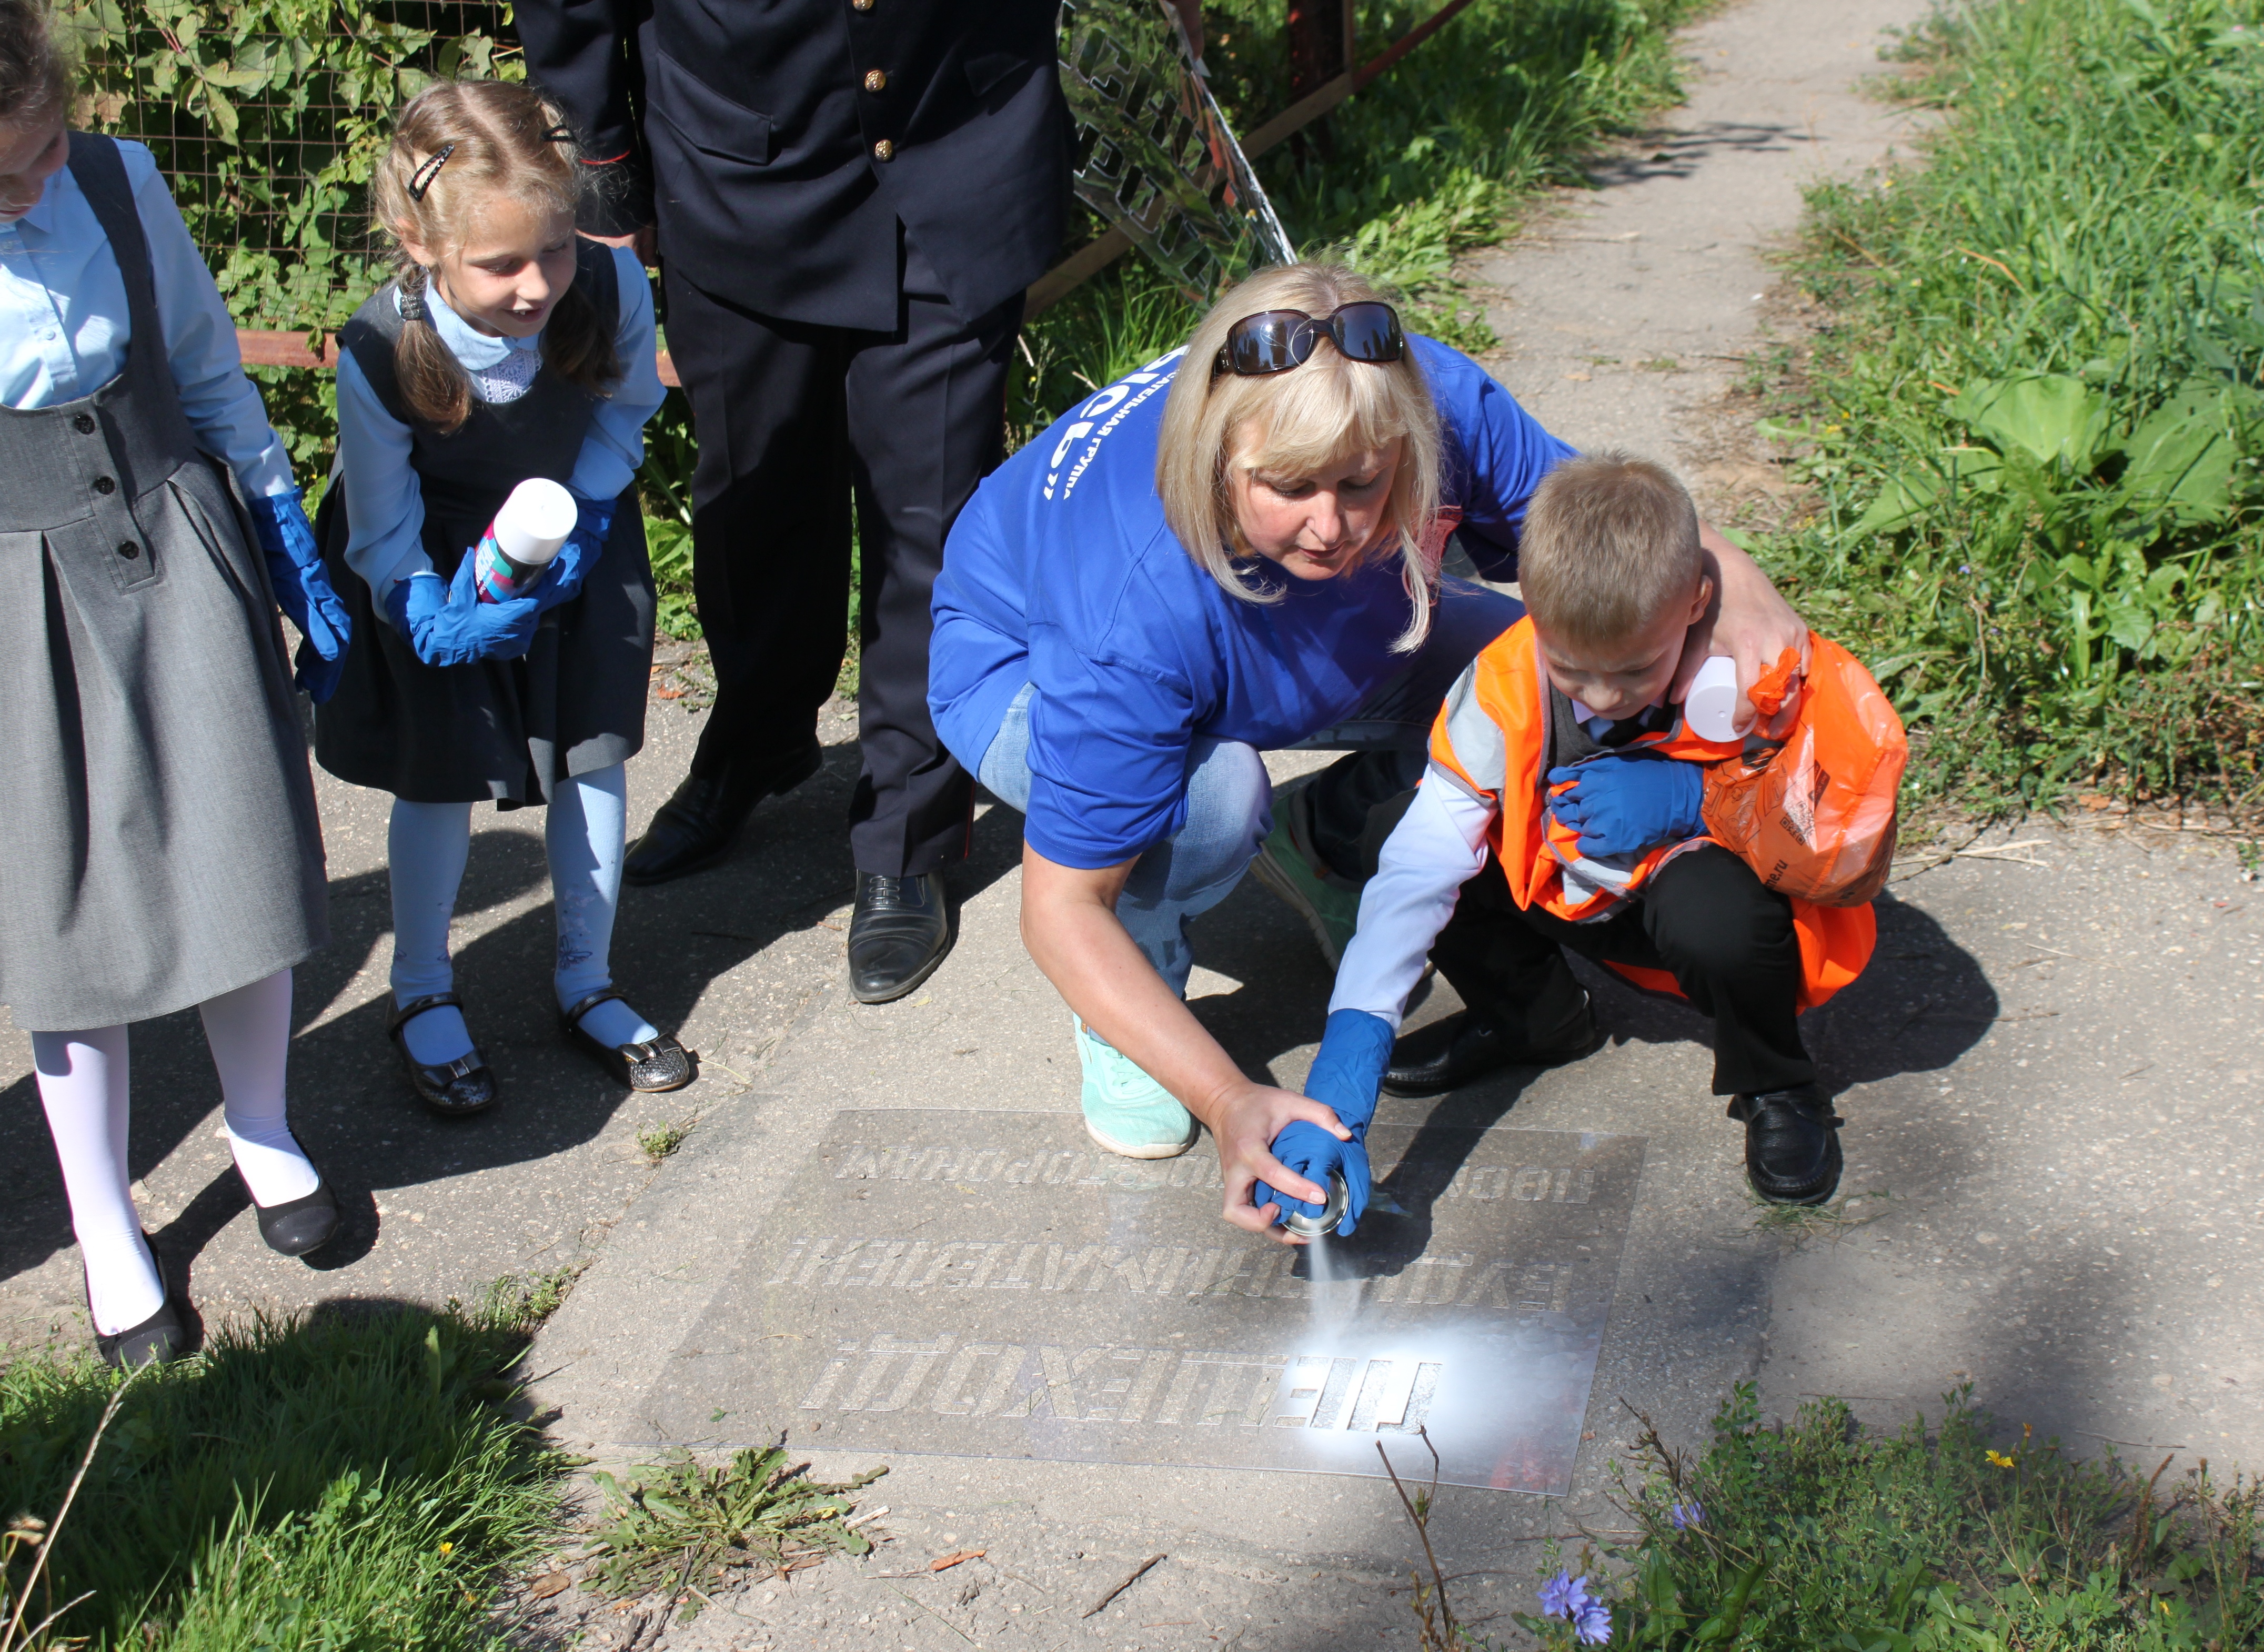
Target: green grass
<point>1817,1537</point>
<point>2034,430</point>
<point>350,1483</point>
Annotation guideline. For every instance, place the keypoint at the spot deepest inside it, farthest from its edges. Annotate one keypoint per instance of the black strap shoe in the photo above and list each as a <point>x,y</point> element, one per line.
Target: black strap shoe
<point>1465,1046</point>
<point>158,1340</point>
<point>651,1068</point>
<point>455,1088</point>
<point>899,932</point>
<point>297,1226</point>
<point>697,823</point>
<point>1792,1144</point>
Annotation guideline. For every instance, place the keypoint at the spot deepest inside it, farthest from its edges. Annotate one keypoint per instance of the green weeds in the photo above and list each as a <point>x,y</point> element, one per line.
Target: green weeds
<point>339,1483</point>
<point>660,1140</point>
<point>677,1525</point>
<point>2034,430</point>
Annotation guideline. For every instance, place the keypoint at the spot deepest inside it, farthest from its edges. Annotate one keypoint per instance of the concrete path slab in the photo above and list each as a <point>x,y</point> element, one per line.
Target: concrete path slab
<point>2050,1075</point>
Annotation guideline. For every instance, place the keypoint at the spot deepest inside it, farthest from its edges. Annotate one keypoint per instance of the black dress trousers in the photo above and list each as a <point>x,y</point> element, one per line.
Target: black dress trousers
<point>851,196</point>
<point>794,420</point>
<point>1705,918</point>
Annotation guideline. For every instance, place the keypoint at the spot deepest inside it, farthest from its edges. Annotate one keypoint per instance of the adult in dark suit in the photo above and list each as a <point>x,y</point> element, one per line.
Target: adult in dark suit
<point>850,197</point>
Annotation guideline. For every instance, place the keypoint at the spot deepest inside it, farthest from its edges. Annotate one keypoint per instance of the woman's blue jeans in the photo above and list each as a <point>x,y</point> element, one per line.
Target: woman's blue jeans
<point>1230,798</point>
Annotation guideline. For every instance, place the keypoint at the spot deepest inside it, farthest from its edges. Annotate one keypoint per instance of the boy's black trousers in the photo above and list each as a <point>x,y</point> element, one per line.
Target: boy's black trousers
<point>1705,918</point>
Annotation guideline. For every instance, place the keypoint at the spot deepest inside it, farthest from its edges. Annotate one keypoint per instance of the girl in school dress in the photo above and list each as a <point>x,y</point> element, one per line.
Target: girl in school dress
<point>162,845</point>
<point>506,348</point>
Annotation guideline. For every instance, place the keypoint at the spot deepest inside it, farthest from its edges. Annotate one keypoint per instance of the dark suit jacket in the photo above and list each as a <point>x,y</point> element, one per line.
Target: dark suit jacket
<point>776,143</point>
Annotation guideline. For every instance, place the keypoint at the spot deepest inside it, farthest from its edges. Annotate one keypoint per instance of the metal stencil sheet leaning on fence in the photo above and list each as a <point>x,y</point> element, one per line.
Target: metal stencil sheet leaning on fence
<point>1155,157</point>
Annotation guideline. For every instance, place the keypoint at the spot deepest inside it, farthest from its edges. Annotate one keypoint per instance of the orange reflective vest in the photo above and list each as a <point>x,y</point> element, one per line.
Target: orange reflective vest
<point>1812,810</point>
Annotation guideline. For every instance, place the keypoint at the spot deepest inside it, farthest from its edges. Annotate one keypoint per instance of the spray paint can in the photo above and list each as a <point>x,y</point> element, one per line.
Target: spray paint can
<point>1710,708</point>
<point>521,544</point>
<point>1332,1212</point>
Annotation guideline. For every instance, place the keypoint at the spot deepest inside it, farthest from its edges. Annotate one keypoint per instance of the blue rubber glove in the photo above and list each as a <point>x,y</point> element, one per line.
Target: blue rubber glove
<point>592,522</point>
<point>1624,802</point>
<point>450,626</point>
<point>1356,1048</point>
<point>302,590</point>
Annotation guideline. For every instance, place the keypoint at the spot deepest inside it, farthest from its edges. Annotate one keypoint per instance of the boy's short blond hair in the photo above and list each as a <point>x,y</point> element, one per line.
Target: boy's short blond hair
<point>1610,543</point>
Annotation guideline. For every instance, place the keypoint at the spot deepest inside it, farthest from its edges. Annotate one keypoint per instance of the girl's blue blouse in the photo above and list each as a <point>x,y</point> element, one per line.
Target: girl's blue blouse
<point>385,506</point>
<point>64,328</point>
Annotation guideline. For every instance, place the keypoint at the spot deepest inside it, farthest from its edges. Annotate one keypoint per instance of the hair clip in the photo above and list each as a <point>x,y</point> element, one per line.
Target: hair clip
<point>421,179</point>
<point>559,133</point>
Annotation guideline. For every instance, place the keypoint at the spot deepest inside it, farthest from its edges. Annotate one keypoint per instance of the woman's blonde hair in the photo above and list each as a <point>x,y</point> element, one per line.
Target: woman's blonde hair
<point>1294,423</point>
<point>502,142</point>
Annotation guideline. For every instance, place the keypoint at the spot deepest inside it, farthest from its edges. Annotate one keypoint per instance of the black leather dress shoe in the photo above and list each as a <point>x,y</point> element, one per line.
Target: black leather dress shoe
<point>1792,1144</point>
<point>297,1226</point>
<point>697,823</point>
<point>451,1087</point>
<point>1465,1046</point>
<point>652,1067</point>
<point>899,932</point>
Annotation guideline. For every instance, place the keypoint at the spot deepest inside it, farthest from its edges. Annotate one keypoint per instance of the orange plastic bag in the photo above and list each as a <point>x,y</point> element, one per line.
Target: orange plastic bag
<point>1811,808</point>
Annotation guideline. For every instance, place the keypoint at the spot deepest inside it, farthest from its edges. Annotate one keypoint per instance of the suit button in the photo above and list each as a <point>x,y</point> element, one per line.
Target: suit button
<point>129,550</point>
<point>860,5</point>
<point>104,484</point>
<point>83,423</point>
<point>876,80</point>
<point>884,150</point>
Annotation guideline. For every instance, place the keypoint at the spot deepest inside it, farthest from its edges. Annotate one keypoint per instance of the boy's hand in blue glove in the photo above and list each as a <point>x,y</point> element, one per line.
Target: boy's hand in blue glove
<point>451,625</point>
<point>1355,1049</point>
<point>593,521</point>
<point>1624,802</point>
<point>302,590</point>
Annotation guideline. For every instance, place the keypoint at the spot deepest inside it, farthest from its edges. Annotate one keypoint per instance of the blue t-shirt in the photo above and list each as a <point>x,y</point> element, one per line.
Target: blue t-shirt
<point>1062,572</point>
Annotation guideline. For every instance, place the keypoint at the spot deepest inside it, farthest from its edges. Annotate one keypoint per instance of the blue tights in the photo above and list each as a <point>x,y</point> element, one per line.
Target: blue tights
<point>426,844</point>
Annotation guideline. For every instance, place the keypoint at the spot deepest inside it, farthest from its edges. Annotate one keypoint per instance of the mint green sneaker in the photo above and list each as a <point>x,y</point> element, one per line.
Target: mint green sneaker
<point>1289,868</point>
<point>1126,1110</point>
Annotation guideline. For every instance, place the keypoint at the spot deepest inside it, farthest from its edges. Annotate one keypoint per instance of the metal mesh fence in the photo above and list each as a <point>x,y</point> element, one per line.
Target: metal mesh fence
<point>265,117</point>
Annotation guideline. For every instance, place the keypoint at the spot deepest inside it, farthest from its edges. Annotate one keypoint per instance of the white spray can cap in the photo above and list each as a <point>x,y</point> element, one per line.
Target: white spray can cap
<point>1710,708</point>
<point>534,522</point>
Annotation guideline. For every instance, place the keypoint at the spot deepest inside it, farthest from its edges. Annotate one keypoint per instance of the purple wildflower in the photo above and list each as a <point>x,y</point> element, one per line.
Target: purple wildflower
<point>1687,1515</point>
<point>1567,1596</point>
<point>1563,1595</point>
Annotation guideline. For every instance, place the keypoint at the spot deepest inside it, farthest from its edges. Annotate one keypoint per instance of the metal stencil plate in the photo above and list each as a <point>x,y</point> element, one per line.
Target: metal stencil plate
<point>973,1283</point>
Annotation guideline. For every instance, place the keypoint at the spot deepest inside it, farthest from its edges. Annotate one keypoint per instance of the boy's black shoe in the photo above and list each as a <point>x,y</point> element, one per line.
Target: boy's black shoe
<point>1465,1046</point>
<point>1792,1144</point>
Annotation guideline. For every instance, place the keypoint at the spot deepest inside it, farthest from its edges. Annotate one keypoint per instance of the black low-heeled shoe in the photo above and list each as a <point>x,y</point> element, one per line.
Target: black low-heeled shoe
<point>158,1340</point>
<point>658,1065</point>
<point>453,1089</point>
<point>1792,1144</point>
<point>299,1225</point>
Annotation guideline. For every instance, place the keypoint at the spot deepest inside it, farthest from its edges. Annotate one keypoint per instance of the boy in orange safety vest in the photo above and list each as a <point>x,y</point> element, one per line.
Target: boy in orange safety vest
<point>1562,808</point>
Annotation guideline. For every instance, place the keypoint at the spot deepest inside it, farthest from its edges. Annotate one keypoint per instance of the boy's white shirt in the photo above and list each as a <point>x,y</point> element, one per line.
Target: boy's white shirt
<point>1438,845</point>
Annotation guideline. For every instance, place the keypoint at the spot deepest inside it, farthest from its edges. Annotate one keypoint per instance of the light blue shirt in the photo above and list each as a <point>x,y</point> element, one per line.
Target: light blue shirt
<point>384,500</point>
<point>64,324</point>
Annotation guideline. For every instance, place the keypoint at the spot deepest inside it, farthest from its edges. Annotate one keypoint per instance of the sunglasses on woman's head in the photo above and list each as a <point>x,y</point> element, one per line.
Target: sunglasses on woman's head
<point>1274,341</point>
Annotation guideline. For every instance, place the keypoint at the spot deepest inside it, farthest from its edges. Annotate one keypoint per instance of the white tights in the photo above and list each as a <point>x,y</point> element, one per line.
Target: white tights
<point>83,1084</point>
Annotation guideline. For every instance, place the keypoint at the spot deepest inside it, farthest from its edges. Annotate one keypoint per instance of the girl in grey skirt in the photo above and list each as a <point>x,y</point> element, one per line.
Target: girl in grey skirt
<point>163,845</point>
<point>508,348</point>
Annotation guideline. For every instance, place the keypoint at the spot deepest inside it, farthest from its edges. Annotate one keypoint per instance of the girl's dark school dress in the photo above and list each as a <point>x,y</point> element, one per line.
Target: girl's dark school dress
<point>161,842</point>
<point>494,729</point>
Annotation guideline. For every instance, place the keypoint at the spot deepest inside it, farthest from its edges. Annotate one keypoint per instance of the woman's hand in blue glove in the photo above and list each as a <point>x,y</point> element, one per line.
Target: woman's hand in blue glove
<point>1624,802</point>
<point>577,557</point>
<point>1355,1049</point>
<point>302,590</point>
<point>451,625</point>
